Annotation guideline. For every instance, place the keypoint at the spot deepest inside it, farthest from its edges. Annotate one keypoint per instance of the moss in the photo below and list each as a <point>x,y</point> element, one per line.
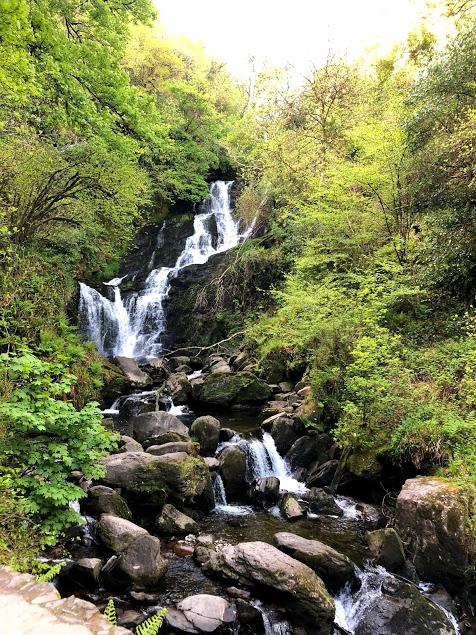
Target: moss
<point>226,389</point>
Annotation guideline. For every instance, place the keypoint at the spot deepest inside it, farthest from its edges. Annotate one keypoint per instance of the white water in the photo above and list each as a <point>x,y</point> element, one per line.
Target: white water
<point>221,504</point>
<point>133,328</point>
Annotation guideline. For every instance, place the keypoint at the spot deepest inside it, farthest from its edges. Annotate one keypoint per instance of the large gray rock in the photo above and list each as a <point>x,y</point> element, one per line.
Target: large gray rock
<point>175,446</point>
<point>207,432</point>
<point>306,449</point>
<point>290,507</point>
<point>334,568</point>
<point>104,500</point>
<point>227,389</point>
<point>171,521</point>
<point>257,563</point>
<point>128,444</point>
<point>232,469</point>
<point>153,425</point>
<point>132,371</point>
<point>179,388</point>
<point>264,490</point>
<point>322,474</point>
<point>176,477</point>
<point>201,614</point>
<point>180,360</point>
<point>431,517</point>
<point>283,434</point>
<point>117,533</point>
<point>399,608</point>
<point>387,549</point>
<point>141,563</point>
<point>322,503</point>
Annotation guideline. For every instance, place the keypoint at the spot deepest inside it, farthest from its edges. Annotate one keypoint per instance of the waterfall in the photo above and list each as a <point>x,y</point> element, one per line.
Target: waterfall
<point>133,328</point>
<point>219,491</point>
<point>263,459</point>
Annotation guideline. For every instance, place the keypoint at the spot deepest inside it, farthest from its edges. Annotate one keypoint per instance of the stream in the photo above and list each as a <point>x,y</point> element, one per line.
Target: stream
<point>132,324</point>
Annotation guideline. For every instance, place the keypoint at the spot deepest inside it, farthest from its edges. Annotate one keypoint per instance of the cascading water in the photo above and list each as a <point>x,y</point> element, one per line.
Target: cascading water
<point>133,328</point>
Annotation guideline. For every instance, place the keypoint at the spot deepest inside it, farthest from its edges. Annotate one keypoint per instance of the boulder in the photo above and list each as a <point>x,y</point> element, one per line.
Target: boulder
<point>171,521</point>
<point>250,615</point>
<point>127,444</point>
<point>211,462</point>
<point>306,599</point>
<point>306,449</point>
<point>431,515</point>
<point>201,613</point>
<point>140,564</point>
<point>227,389</point>
<point>175,362</point>
<point>220,367</point>
<point>386,547</point>
<point>132,371</point>
<point>86,571</point>
<point>239,360</point>
<point>334,568</point>
<point>264,490</point>
<point>322,503</point>
<point>207,432</point>
<point>174,446</point>
<point>277,407</point>
<point>399,608</point>
<point>322,474</point>
<point>365,464</point>
<point>179,388</point>
<point>290,508</point>
<point>283,434</point>
<point>117,533</point>
<point>285,386</point>
<point>152,425</point>
<point>104,500</point>
<point>232,469</point>
<point>176,476</point>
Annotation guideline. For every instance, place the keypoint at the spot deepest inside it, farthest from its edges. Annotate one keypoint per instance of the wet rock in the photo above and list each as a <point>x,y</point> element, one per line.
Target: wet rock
<point>249,615</point>
<point>201,614</point>
<point>322,475</point>
<point>205,501</point>
<point>117,533</point>
<point>183,550</point>
<point>258,564</point>
<point>176,477</point>
<point>277,407</point>
<point>207,432</point>
<point>151,426</point>
<point>144,598</point>
<point>86,571</point>
<point>227,389</point>
<point>431,516</point>
<point>169,448</point>
<point>175,362</point>
<point>283,434</point>
<point>400,608</point>
<point>238,593</point>
<point>171,521</point>
<point>128,444</point>
<point>334,568</point>
<point>264,490</point>
<point>290,507</point>
<point>232,469</point>
<point>322,503</point>
<point>140,564</point>
<point>104,500</point>
<point>179,388</point>
<point>196,384</point>
<point>387,549</point>
<point>226,434</point>
<point>132,371</point>
<point>211,462</point>
<point>306,449</point>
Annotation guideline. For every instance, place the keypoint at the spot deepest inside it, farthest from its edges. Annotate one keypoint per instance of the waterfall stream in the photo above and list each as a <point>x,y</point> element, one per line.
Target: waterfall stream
<point>133,327</point>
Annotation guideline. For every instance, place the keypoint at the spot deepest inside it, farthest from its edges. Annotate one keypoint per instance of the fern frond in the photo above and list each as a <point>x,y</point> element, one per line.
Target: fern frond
<point>151,625</point>
<point>52,572</point>
<point>110,612</point>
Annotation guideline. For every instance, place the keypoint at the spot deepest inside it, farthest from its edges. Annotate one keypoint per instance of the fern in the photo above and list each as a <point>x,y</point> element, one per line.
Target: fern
<point>152,624</point>
<point>51,573</point>
<point>110,612</point>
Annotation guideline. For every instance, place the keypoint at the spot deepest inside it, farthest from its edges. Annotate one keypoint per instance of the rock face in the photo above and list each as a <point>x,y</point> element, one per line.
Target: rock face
<point>171,521</point>
<point>431,519</point>
<point>151,426</point>
<point>306,449</point>
<point>264,490</point>
<point>400,608</point>
<point>178,388</point>
<point>232,469</point>
<point>132,371</point>
<point>201,614</point>
<point>104,500</point>
<point>140,563</point>
<point>257,563</point>
<point>207,432</point>
<point>283,434</point>
<point>117,533</point>
<point>334,568</point>
<point>177,476</point>
<point>228,389</point>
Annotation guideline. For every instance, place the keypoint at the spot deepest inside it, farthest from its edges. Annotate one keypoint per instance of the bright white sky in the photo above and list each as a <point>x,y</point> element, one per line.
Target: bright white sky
<point>295,31</point>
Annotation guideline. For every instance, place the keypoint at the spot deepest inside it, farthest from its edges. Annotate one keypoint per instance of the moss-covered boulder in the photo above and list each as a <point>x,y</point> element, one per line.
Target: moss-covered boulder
<point>104,500</point>
<point>157,428</point>
<point>365,464</point>
<point>207,432</point>
<point>432,519</point>
<point>228,389</point>
<point>387,549</point>
<point>153,480</point>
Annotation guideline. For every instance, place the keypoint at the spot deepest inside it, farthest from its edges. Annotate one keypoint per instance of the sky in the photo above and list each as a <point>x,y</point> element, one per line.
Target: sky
<point>296,31</point>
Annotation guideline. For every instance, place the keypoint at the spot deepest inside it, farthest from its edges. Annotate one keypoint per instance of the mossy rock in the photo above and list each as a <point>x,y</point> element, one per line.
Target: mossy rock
<point>365,464</point>
<point>228,389</point>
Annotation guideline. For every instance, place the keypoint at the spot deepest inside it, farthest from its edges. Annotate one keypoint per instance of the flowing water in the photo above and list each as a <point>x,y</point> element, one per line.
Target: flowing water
<point>133,327</point>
